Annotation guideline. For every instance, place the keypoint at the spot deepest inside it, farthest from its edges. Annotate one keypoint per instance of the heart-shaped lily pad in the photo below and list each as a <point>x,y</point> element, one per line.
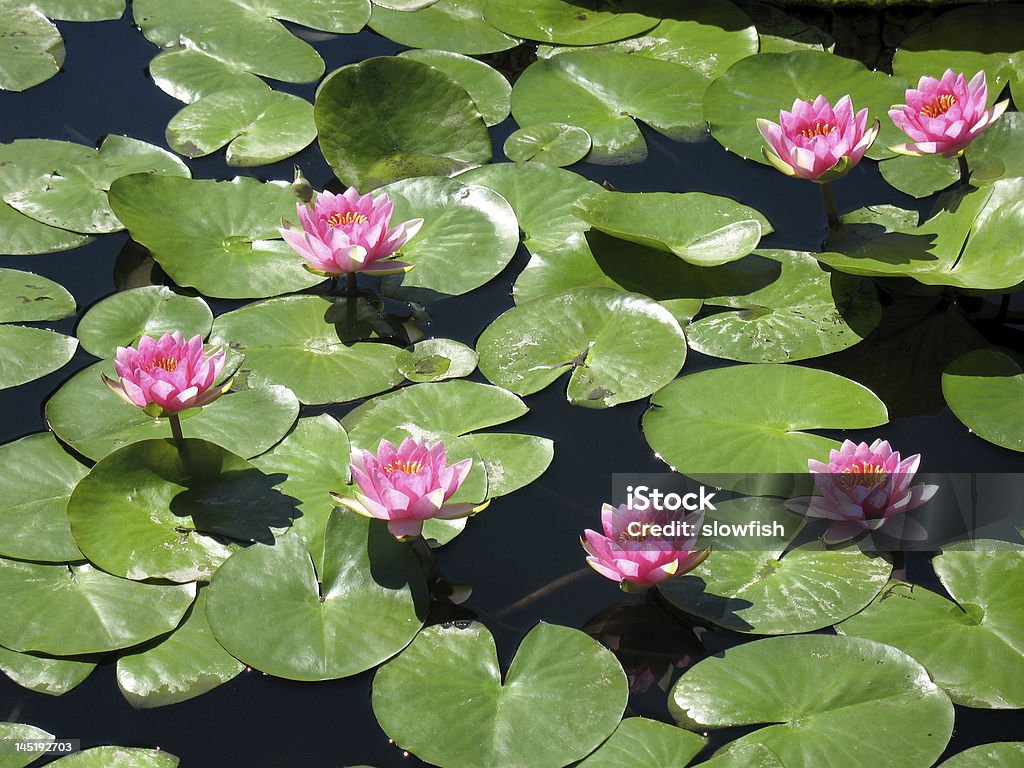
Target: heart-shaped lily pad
<point>973,648</point>
<point>641,741</point>
<point>984,390</point>
<point>31,48</point>
<point>488,87</point>
<point>31,353</point>
<point>426,124</point>
<point>699,425</point>
<point>582,22</point>
<point>437,360</point>
<point>591,333</point>
<point>188,75</point>
<point>443,698</point>
<point>26,298</point>
<point>270,607</point>
<point>870,686</point>
<point>1004,754</point>
<point>118,757</point>
<point>44,674</point>
<point>220,237</point>
<point>447,25</point>
<point>67,610</point>
<point>94,421</point>
<point>548,143</point>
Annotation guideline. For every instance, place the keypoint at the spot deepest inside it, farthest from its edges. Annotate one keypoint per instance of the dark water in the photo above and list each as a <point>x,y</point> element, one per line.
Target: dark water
<point>522,543</point>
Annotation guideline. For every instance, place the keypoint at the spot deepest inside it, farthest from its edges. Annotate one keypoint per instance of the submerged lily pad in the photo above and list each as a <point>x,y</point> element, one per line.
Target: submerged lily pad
<point>67,610</point>
<point>26,298</point>
<point>443,698</point>
<point>31,353</point>
<point>447,25</point>
<point>31,48</point>
<point>984,390</point>
<point>591,333</point>
<point>972,648</point>
<point>437,360</point>
<point>548,143</point>
<point>188,75</point>
<point>44,674</point>
<point>699,425</point>
<point>219,237</point>
<point>365,605</point>
<point>638,741</point>
<point>291,341</point>
<point>488,87</point>
<point>870,686</point>
<point>581,22</point>
<point>1004,754</point>
<point>425,123</point>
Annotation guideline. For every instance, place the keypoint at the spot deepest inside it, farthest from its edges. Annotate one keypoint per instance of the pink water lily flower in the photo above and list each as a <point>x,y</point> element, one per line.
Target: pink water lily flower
<point>634,556</point>
<point>815,141</point>
<point>863,488</point>
<point>942,117</point>
<point>406,485</point>
<point>168,375</point>
<point>348,233</point>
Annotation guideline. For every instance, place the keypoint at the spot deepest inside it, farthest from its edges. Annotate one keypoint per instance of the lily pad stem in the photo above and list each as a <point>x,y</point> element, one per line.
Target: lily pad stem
<point>350,283</point>
<point>965,172</point>
<point>426,557</point>
<point>830,205</point>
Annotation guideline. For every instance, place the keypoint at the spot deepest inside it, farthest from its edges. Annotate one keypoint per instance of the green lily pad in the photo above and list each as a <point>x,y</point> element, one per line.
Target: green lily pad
<point>488,87</point>
<point>12,732</point>
<point>67,610</point>
<point>759,86</point>
<point>44,674</point>
<point>541,197</point>
<point>37,477</point>
<point>71,193</point>
<point>219,237</point>
<point>270,607</point>
<point>697,422</point>
<point>94,421</point>
<point>288,341</point>
<point>972,648</point>
<point>31,48</point>
<point>258,126</point>
<point>314,459</point>
<point>443,698</point>
<point>807,312</point>
<point>772,591</point>
<point>984,390</point>
<point>583,22</point>
<point>189,75</point>
<point>26,298</point>
<point>118,757</point>
<point>510,460</point>
<point>705,230</point>
<point>186,664</point>
<point>447,25</point>
<point>469,235</point>
<point>1004,754</point>
<point>152,310</point>
<point>548,143</point>
<point>250,37</point>
<point>24,236</point>
<point>603,91</point>
<point>870,686</point>
<point>590,333</point>
<point>404,5</point>
<point>751,755</point>
<point>426,124</point>
<point>81,10</point>
<point>641,741</point>
<point>920,176</point>
<point>149,511</point>
<point>31,353</point>
<point>437,360</point>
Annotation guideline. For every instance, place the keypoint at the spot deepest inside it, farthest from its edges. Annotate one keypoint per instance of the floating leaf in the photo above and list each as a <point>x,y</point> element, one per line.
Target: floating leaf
<point>920,176</point>
<point>44,674</point>
<point>488,87</point>
<point>870,686</point>
<point>511,461</point>
<point>437,360</point>
<point>24,236</point>
<point>17,732</point>
<point>364,606</point>
<point>31,48</point>
<point>590,333</point>
<point>443,698</point>
<point>188,75</point>
<point>448,25</point>
<point>750,755</point>
<point>31,353</point>
<point>548,143</point>
<point>152,310</point>
<point>26,298</point>
<point>81,10</point>
<point>583,22</point>
<point>641,741</point>
<point>1004,754</point>
<point>984,390</point>
<point>404,5</point>
<point>220,237</point>
<point>118,757</point>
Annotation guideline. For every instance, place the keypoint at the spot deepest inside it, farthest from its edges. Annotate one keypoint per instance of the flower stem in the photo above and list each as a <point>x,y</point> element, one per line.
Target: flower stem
<point>965,172</point>
<point>830,205</point>
<point>426,557</point>
<point>179,439</point>
<point>350,283</point>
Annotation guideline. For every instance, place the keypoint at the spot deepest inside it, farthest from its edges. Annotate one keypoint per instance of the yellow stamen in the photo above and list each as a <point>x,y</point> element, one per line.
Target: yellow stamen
<point>342,219</point>
<point>940,106</point>
<point>818,129</point>
<point>405,467</point>
<point>865,474</point>
<point>167,363</point>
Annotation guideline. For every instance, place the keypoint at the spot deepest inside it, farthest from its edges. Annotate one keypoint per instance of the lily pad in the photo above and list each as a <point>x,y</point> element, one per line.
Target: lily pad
<point>258,126</point>
<point>807,312</point>
<point>591,333</point>
<point>603,91</point>
<point>24,236</point>
<point>583,22</point>
<point>152,310</point>
<point>750,755</point>
<point>186,664</point>
<point>548,143</point>
<point>219,237</point>
<point>404,5</point>
<point>705,230</point>
<point>118,757</point>
<point>1004,754</point>
<point>249,37</point>
<point>290,341</point>
<point>71,193</point>
<point>920,176</point>
<point>37,477</point>
<point>44,674</point>
<point>26,298</point>
<point>510,460</point>
<point>81,10</point>
<point>68,610</point>
<point>426,124</point>
<point>469,235</point>
<point>94,421</point>
<point>12,732</point>
<point>638,741</point>
<point>270,607</point>
<point>984,390</point>
<point>31,353</point>
<point>870,686</point>
<point>759,86</point>
<point>444,699</point>
<point>972,648</point>
<point>437,360</point>
<point>447,25</point>
<point>697,423</point>
<point>488,87</point>
<point>31,48</point>
<point>188,75</point>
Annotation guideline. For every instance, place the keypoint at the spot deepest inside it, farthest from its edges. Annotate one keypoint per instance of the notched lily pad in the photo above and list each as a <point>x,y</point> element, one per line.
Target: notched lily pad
<point>548,143</point>
<point>449,25</point>
<point>437,360</point>
<point>984,389</point>
<point>31,48</point>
